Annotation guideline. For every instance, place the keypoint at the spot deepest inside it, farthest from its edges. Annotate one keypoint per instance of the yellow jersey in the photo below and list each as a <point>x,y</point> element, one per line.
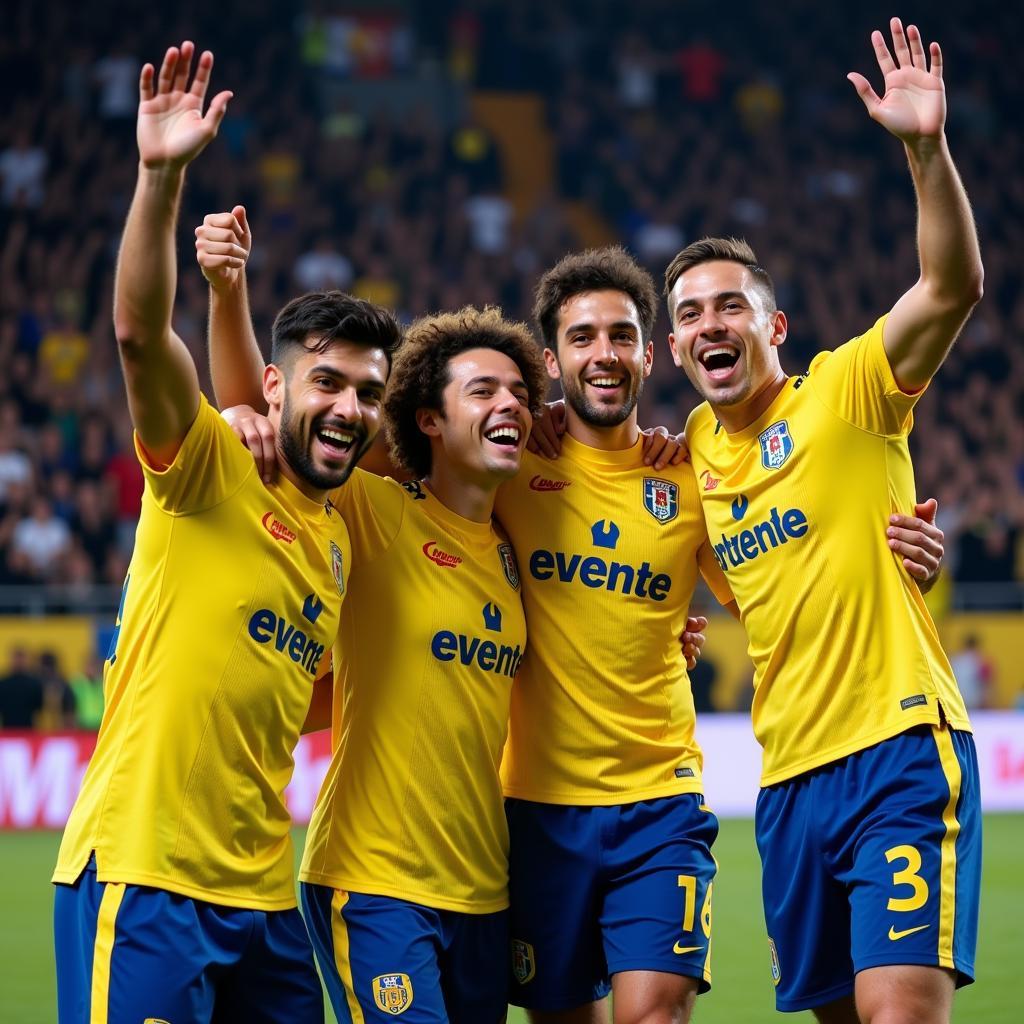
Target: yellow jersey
<point>431,638</point>
<point>233,595</point>
<point>602,712</point>
<point>845,653</point>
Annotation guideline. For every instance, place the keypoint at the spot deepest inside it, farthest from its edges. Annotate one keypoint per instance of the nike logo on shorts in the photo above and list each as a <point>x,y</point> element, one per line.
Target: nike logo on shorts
<point>894,935</point>
<point>685,949</point>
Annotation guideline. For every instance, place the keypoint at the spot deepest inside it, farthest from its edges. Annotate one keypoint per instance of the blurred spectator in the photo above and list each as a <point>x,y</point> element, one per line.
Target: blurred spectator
<point>21,693</point>
<point>42,538</point>
<point>87,687</point>
<point>22,170</point>
<point>58,710</point>
<point>323,268</point>
<point>973,673</point>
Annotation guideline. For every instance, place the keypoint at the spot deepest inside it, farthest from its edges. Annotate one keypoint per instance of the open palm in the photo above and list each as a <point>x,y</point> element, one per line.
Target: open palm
<point>171,128</point>
<point>914,104</point>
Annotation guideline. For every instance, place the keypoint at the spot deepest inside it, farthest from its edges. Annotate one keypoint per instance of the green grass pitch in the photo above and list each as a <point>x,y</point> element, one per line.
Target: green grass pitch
<point>742,990</point>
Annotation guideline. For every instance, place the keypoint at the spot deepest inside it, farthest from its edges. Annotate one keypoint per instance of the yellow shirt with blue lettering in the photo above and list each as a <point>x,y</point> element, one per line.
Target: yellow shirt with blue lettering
<point>844,650</point>
<point>602,712</point>
<point>233,595</point>
<point>431,638</point>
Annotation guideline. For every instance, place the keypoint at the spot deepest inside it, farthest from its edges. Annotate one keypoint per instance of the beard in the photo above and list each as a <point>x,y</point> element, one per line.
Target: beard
<point>601,415</point>
<point>296,450</point>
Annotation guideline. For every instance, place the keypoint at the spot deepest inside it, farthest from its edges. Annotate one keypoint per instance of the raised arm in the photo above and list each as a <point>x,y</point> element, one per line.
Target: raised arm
<point>160,377</point>
<point>926,320</point>
<point>223,244</point>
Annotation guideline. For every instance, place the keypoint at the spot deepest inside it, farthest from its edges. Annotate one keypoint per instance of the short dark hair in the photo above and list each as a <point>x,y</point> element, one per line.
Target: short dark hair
<point>706,250</point>
<point>422,372</point>
<point>328,317</point>
<point>608,269</point>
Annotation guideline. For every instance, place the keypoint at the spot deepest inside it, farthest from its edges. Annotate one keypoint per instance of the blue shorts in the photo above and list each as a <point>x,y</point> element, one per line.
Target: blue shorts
<point>127,954</point>
<point>382,958</point>
<point>599,890</point>
<point>870,861</point>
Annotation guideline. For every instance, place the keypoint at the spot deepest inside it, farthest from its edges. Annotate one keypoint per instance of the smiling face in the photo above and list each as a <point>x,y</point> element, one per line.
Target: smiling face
<point>601,358</point>
<point>327,409</point>
<point>725,336</point>
<point>482,427</point>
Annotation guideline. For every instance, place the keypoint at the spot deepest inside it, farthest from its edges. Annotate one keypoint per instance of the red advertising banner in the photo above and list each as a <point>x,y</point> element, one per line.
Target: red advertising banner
<point>40,774</point>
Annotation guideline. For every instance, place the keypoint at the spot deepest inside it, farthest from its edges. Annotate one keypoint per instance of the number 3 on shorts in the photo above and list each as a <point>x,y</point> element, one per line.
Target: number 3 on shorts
<point>907,876</point>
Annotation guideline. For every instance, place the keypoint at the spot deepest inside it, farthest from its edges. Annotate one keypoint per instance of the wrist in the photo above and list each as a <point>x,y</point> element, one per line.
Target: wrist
<point>925,148</point>
<point>161,176</point>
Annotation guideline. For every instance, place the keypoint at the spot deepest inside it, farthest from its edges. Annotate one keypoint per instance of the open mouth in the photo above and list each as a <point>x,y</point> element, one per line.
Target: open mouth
<point>606,382</point>
<point>336,441</point>
<point>719,360</point>
<point>507,435</point>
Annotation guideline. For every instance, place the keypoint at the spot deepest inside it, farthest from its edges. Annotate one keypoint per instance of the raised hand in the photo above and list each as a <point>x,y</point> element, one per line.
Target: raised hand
<point>914,105</point>
<point>172,130</point>
<point>223,244</point>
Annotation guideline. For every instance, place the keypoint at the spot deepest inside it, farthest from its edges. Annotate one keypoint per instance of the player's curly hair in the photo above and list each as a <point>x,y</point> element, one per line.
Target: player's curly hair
<point>607,269</point>
<point>705,250</point>
<point>421,373</point>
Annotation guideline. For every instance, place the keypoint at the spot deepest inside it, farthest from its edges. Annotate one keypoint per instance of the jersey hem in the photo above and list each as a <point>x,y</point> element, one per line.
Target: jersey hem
<point>862,743</point>
<point>221,899</point>
<point>965,971</point>
<point>818,999</point>
<point>664,967</point>
<point>603,799</point>
<point>424,899</point>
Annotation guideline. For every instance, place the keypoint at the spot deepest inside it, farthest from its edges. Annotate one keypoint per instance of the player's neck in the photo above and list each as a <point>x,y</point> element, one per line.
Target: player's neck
<point>738,417</point>
<point>462,494</point>
<point>606,439</point>
<point>317,494</point>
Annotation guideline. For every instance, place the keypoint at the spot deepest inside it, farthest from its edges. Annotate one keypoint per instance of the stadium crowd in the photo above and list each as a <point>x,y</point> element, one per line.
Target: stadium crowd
<point>673,134</point>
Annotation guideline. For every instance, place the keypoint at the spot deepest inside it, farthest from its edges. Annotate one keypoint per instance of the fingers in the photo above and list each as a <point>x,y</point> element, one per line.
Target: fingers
<point>916,48</point>
<point>927,510</point>
<point>696,623</point>
<point>238,212</point>
<point>899,43</point>
<point>543,439</point>
<point>266,462</point>
<point>202,76</point>
<point>936,54</point>
<point>882,55</point>
<point>654,444</point>
<point>864,90</point>
<point>146,77</point>
<point>218,108</point>
<point>167,69</point>
<point>184,66</point>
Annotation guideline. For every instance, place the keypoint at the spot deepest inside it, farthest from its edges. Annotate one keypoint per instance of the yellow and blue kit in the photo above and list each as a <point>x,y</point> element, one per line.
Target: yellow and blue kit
<point>602,770</point>
<point>846,659</point>
<point>233,596</point>
<point>407,850</point>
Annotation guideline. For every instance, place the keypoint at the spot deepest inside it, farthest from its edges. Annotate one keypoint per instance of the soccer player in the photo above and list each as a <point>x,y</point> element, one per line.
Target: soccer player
<point>175,899</point>
<point>405,872</point>
<point>611,865</point>
<point>868,822</point>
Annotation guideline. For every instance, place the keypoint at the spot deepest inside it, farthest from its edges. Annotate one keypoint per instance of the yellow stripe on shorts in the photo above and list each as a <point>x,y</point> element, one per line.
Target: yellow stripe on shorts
<point>102,951</point>
<point>947,863</point>
<point>342,960</point>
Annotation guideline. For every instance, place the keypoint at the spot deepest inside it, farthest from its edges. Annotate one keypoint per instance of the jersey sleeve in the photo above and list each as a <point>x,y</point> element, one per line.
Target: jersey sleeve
<point>856,382</point>
<point>373,508</point>
<point>210,465</point>
<point>713,575</point>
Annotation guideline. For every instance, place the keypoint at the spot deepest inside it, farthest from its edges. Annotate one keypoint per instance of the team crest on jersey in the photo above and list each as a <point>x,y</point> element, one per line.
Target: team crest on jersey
<point>776,969</point>
<point>524,967</point>
<point>661,499</point>
<point>776,445</point>
<point>509,565</point>
<point>393,993</point>
<point>338,567</point>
